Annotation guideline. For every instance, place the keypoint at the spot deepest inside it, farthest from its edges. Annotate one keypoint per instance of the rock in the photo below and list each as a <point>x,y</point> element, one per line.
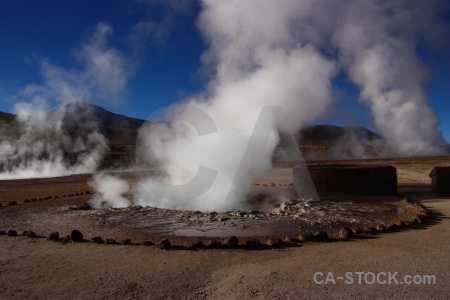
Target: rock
<point>11,232</point>
<point>381,228</point>
<point>273,185</point>
<point>275,243</point>
<point>393,227</point>
<point>30,234</point>
<point>147,243</point>
<point>26,201</point>
<point>126,242</point>
<point>110,242</point>
<point>53,236</point>
<point>371,230</point>
<point>252,244</point>
<point>214,244</point>
<point>97,240</point>
<point>289,240</point>
<point>2,232</point>
<point>345,233</point>
<point>320,236</point>
<point>11,203</point>
<point>231,242</point>
<point>76,236</point>
<point>196,245</point>
<point>359,231</point>
<point>164,244</point>
<point>305,236</point>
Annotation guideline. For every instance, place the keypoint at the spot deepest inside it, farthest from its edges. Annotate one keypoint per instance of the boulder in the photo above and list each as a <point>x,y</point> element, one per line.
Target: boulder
<point>76,236</point>
<point>110,242</point>
<point>305,236</point>
<point>53,236</point>
<point>196,245</point>
<point>30,234</point>
<point>97,240</point>
<point>252,244</point>
<point>126,242</point>
<point>147,243</point>
<point>345,233</point>
<point>231,242</point>
<point>164,244</point>
<point>11,232</point>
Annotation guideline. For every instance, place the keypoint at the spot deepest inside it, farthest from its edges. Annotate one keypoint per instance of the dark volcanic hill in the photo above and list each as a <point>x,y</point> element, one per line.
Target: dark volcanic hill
<point>82,112</point>
<point>121,131</point>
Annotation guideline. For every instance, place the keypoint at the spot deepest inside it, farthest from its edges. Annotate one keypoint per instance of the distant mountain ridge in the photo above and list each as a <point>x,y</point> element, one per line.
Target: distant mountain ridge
<point>77,113</point>
<point>81,112</point>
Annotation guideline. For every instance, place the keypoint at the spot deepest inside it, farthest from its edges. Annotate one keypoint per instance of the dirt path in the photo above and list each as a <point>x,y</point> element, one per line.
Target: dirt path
<point>41,269</point>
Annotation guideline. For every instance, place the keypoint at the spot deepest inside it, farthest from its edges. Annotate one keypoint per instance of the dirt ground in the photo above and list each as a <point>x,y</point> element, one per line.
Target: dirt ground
<point>35,268</point>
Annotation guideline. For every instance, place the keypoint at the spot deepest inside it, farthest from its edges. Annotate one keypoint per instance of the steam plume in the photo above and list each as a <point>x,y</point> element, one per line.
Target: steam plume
<point>48,144</point>
<point>286,53</point>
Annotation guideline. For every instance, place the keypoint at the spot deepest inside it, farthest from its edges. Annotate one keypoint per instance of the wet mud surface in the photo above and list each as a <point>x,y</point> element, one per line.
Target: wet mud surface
<point>286,217</point>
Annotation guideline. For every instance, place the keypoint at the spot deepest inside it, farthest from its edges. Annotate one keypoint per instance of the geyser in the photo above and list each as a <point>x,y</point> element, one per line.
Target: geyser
<point>286,54</point>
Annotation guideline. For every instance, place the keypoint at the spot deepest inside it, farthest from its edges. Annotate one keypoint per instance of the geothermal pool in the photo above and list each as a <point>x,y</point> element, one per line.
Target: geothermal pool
<point>285,217</point>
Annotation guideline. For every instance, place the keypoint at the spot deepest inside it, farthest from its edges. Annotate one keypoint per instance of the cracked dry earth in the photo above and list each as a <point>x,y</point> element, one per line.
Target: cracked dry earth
<point>35,268</point>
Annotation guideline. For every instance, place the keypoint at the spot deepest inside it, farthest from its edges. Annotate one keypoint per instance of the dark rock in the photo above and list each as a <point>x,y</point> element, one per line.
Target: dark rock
<point>11,203</point>
<point>275,243</point>
<point>97,240</point>
<point>87,192</point>
<point>273,185</point>
<point>1,204</point>
<point>53,236</point>
<point>76,235</point>
<point>56,197</point>
<point>345,233</point>
<point>371,230</point>
<point>305,236</point>
<point>126,242</point>
<point>231,242</point>
<point>147,243</point>
<point>359,231</point>
<point>196,245</point>
<point>214,244</point>
<point>2,232</point>
<point>320,236</point>
<point>289,240</point>
<point>393,227</point>
<point>110,242</point>
<point>30,234</point>
<point>381,228</point>
<point>252,244</point>
<point>33,199</point>
<point>11,232</point>
<point>164,244</point>
<point>26,201</point>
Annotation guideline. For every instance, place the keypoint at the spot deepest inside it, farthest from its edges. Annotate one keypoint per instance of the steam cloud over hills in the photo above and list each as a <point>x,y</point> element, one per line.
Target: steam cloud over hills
<point>261,55</point>
<point>286,54</point>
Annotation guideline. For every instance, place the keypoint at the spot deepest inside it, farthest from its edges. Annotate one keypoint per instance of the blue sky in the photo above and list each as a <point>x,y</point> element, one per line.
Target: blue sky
<point>168,64</point>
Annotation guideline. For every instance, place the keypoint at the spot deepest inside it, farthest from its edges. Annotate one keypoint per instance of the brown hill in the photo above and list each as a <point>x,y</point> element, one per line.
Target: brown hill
<point>121,132</point>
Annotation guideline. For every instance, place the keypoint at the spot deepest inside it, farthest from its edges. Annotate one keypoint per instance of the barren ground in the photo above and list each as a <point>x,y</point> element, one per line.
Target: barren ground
<point>41,269</point>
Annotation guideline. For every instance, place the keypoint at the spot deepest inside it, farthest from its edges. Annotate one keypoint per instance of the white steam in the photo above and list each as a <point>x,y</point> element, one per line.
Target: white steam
<point>286,53</point>
<point>41,144</point>
<point>109,189</point>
